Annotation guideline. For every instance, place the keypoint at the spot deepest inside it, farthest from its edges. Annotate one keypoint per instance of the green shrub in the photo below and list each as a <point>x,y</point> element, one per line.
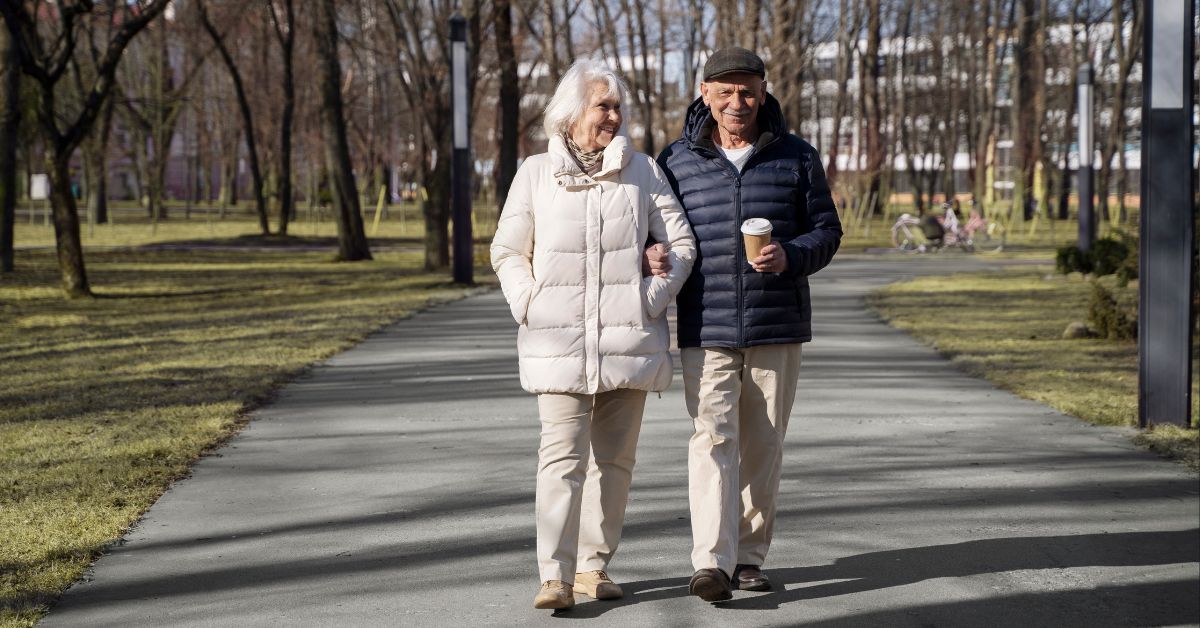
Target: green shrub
<point>1128,270</point>
<point>1108,317</point>
<point>1069,259</point>
<point>1107,256</point>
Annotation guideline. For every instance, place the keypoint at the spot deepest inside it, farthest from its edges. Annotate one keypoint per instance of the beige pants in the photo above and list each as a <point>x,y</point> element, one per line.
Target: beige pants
<point>739,400</point>
<point>585,465</point>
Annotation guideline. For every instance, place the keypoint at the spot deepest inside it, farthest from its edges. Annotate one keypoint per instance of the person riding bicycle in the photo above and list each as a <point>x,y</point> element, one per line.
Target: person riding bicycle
<point>933,230</point>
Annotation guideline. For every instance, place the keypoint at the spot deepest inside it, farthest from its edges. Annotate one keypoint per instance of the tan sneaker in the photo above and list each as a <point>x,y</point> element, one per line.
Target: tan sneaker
<point>598,585</point>
<point>555,594</point>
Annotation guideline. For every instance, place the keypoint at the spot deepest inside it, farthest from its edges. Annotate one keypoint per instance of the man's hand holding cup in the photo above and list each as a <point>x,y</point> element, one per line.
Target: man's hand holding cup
<point>764,255</point>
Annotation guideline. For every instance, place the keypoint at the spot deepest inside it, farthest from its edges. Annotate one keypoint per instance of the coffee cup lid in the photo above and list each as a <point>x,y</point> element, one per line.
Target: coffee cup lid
<point>756,226</point>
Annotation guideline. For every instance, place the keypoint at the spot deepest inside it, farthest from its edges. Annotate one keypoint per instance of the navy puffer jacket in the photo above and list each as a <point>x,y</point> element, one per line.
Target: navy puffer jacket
<point>725,303</point>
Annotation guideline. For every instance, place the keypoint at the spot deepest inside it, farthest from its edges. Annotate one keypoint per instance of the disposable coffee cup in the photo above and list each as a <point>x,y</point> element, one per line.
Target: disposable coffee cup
<point>757,233</point>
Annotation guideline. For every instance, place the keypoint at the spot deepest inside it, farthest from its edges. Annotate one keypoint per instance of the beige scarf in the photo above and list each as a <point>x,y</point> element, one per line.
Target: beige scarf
<point>588,162</point>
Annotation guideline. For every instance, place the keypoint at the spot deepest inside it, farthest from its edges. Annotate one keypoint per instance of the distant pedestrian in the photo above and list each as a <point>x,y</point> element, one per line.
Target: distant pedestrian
<point>743,314</point>
<point>593,336</point>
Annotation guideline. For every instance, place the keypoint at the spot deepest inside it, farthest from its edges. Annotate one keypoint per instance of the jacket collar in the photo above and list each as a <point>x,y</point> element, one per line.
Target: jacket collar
<point>616,155</point>
<point>699,124</point>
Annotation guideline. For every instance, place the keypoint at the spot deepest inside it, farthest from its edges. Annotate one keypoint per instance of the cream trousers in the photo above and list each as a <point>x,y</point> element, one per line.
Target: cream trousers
<point>739,400</point>
<point>585,465</point>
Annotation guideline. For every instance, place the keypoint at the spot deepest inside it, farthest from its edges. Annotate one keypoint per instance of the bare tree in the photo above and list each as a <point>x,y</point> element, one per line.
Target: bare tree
<point>156,97</point>
<point>425,60</point>
<point>509,111</point>
<point>739,20</point>
<point>95,146</point>
<point>637,47</point>
<point>849,23</point>
<point>352,239</point>
<point>1025,86</point>
<point>872,105</point>
<point>988,39</point>
<point>790,43</point>
<point>1126,43</point>
<point>10,119</point>
<point>285,33</point>
<point>45,58</point>
<point>260,199</point>
<point>947,89</point>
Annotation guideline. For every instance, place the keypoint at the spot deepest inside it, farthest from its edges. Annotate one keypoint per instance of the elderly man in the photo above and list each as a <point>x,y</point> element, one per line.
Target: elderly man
<point>742,315</point>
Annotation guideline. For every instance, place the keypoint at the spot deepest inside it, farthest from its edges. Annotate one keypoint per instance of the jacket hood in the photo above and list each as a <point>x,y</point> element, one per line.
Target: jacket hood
<point>697,127</point>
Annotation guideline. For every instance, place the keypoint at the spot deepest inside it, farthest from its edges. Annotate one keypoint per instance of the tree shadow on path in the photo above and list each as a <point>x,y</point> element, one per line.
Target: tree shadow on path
<point>1141,604</point>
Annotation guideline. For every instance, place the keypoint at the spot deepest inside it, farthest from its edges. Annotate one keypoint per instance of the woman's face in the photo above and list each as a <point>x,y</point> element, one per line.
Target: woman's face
<point>600,121</point>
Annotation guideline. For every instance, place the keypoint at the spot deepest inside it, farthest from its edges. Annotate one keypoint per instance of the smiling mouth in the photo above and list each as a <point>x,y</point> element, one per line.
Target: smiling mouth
<point>605,129</point>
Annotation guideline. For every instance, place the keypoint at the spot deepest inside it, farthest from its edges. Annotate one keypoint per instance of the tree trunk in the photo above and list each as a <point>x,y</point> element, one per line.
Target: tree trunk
<point>287,201</point>
<point>1024,98</point>
<point>352,239</point>
<point>872,106</point>
<point>549,40</point>
<point>58,143</point>
<point>95,163</point>
<point>437,213</point>
<point>1114,142</point>
<point>10,118</point>
<point>984,108</point>
<point>510,100</point>
<point>260,200</point>
<point>648,92</point>
<point>158,176</point>
<point>66,225</point>
<point>841,103</point>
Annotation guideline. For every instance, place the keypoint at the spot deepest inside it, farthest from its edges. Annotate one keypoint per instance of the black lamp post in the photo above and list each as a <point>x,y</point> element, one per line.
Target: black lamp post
<point>1166,282</point>
<point>1087,213</point>
<point>460,184</point>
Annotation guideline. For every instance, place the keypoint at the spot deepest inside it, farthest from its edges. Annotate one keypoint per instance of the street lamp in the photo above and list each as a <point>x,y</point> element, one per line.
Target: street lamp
<point>460,184</point>
<point>1165,284</point>
<point>1087,215</point>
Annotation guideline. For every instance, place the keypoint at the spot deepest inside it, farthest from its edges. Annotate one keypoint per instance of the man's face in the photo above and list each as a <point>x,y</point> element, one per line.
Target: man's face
<point>734,100</point>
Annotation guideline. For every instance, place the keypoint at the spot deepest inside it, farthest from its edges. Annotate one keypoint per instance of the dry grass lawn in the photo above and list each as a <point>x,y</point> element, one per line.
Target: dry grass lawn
<point>104,402</point>
<point>1007,327</point>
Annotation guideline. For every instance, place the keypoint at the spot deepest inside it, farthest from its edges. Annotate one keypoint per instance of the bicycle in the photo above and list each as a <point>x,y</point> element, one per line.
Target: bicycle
<point>933,233</point>
<point>905,233</point>
<point>986,235</point>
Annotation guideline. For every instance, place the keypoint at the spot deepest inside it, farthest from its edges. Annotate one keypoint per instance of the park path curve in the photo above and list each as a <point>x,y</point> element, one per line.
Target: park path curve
<point>393,486</point>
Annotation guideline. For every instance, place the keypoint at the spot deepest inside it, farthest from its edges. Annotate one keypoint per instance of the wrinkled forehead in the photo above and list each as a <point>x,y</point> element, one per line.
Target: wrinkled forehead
<point>736,81</point>
<point>603,92</point>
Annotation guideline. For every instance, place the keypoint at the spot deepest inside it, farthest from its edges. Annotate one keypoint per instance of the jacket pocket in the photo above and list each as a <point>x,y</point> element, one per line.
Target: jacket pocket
<point>533,293</point>
<point>800,287</point>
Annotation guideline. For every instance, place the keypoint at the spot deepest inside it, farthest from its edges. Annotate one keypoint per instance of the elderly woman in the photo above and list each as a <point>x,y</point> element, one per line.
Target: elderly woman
<point>593,336</point>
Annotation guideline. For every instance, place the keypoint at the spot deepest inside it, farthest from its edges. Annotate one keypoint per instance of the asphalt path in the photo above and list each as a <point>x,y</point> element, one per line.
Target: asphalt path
<point>393,486</point>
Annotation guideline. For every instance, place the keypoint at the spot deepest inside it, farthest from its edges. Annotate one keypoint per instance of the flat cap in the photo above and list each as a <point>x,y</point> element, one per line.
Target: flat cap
<point>733,59</point>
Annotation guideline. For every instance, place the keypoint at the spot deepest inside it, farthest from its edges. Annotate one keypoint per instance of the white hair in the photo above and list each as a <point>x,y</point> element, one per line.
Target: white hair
<point>571,96</point>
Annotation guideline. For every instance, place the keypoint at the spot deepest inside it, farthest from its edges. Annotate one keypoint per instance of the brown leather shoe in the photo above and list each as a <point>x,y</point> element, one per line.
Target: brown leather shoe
<point>710,585</point>
<point>750,578</point>
<point>598,585</point>
<point>555,594</point>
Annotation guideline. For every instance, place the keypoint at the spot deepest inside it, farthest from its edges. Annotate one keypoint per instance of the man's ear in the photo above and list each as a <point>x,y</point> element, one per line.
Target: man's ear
<point>763,91</point>
<point>704,92</point>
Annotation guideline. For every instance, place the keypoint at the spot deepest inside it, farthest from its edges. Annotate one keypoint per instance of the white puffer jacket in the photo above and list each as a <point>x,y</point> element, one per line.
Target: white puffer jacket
<point>568,251</point>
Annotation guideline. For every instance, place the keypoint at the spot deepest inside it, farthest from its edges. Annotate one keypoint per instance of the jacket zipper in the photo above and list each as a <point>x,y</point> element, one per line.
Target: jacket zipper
<point>741,255</point>
<point>737,235</point>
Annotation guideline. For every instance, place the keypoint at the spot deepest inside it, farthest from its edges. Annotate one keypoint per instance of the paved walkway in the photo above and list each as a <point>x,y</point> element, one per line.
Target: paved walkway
<point>393,485</point>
